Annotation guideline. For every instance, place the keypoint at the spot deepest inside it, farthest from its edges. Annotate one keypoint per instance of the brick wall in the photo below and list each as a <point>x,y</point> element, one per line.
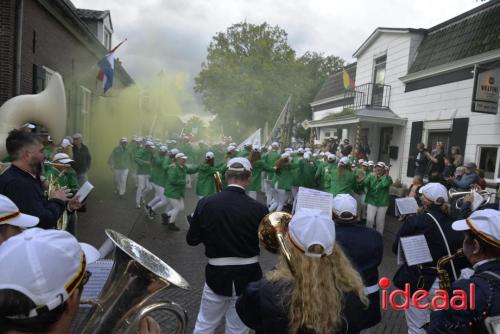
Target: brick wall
<point>7,49</point>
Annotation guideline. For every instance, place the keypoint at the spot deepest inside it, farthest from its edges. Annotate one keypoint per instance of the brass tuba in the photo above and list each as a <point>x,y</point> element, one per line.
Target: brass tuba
<point>272,231</point>
<point>444,277</point>
<point>136,278</point>
<point>47,108</point>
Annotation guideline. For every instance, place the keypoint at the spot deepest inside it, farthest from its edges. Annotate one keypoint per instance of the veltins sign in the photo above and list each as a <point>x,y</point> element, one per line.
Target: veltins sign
<point>486,90</point>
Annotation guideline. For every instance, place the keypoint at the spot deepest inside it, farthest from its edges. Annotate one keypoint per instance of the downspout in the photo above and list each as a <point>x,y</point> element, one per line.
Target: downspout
<point>20,15</point>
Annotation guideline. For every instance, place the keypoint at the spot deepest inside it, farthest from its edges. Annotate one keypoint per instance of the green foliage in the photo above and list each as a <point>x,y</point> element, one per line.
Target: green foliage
<point>249,73</point>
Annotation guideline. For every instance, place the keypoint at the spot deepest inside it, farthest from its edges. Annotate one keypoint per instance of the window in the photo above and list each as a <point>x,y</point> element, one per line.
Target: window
<point>439,136</point>
<point>378,81</point>
<point>107,39</point>
<point>489,162</point>
<point>85,98</point>
<point>327,134</point>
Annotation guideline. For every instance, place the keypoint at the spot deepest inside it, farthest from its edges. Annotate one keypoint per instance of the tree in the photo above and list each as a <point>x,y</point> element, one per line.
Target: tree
<point>249,73</point>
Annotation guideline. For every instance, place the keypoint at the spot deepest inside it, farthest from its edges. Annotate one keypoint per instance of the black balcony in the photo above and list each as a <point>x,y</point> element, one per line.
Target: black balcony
<point>370,96</point>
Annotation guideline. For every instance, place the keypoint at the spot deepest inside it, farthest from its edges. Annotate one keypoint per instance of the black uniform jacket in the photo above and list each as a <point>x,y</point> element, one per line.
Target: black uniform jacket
<point>264,307</point>
<point>487,303</point>
<point>364,247</point>
<point>422,276</point>
<point>82,159</point>
<point>227,223</point>
<point>27,193</point>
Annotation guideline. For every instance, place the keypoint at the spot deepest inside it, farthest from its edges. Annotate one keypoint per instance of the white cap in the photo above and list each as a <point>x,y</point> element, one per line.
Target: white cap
<point>331,157</point>
<point>307,155</point>
<point>62,158</point>
<point>44,265</point>
<point>307,149</point>
<point>360,161</point>
<point>247,166</point>
<point>65,143</point>
<point>174,151</point>
<point>256,148</point>
<point>9,214</point>
<point>366,164</point>
<point>434,191</point>
<point>310,227</point>
<point>484,223</point>
<point>285,155</point>
<point>150,143</point>
<point>344,161</point>
<point>163,149</point>
<point>381,164</point>
<point>321,154</point>
<point>29,126</point>
<point>209,155</point>
<point>181,155</point>
<point>275,144</point>
<point>344,203</point>
<point>371,163</point>
<point>138,139</point>
<point>300,150</point>
<point>315,155</point>
<point>124,139</point>
<point>77,136</point>
<point>230,148</point>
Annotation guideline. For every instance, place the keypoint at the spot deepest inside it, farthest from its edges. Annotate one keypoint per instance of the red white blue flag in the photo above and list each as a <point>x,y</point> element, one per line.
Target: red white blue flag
<point>107,67</point>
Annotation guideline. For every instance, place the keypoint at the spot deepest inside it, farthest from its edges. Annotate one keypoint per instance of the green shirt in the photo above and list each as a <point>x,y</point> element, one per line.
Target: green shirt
<point>132,150</point>
<point>175,185</point>
<point>270,159</point>
<point>284,180</point>
<point>205,184</point>
<point>158,171</point>
<point>243,153</point>
<point>258,167</point>
<point>143,159</point>
<point>343,183</point>
<point>66,178</point>
<point>377,189</point>
<point>120,158</point>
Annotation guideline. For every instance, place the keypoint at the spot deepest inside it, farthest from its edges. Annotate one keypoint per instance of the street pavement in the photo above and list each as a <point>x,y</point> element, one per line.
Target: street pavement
<point>106,210</point>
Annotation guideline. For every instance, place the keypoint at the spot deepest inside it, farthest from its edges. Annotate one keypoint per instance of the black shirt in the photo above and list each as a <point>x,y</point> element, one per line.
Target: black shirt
<point>27,193</point>
<point>82,159</point>
<point>227,223</point>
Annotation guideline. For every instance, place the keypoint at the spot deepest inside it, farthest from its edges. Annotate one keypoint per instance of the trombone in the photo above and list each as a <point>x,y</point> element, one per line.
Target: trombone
<point>459,195</point>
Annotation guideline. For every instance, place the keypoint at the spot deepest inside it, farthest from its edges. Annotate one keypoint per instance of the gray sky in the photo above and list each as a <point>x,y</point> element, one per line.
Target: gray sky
<point>174,34</point>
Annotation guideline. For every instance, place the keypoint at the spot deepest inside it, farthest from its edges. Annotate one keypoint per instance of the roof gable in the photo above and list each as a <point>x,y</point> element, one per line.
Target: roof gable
<point>471,33</point>
<point>381,30</point>
<point>334,84</point>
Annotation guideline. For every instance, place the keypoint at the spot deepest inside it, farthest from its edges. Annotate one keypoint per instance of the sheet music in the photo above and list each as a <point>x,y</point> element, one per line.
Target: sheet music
<point>477,200</point>
<point>84,191</point>
<point>100,270</point>
<point>415,249</point>
<point>406,205</point>
<point>313,199</point>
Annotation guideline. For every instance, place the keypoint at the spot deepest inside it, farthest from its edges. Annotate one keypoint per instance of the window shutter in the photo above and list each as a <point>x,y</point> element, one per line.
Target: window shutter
<point>38,78</point>
<point>415,138</point>
<point>459,133</point>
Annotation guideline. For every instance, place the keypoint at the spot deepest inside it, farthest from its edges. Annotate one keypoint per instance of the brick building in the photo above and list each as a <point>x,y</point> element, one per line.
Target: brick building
<point>40,37</point>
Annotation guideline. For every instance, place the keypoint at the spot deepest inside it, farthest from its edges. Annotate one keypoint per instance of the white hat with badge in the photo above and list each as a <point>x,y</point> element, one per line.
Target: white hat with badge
<point>484,223</point>
<point>343,204</point>
<point>244,162</point>
<point>209,155</point>
<point>62,158</point>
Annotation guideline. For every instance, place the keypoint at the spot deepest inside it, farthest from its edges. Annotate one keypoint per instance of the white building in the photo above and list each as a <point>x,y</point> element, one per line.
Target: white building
<point>416,85</point>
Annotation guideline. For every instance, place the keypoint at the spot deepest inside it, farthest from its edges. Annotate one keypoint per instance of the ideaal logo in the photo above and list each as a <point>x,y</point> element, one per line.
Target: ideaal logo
<point>419,299</point>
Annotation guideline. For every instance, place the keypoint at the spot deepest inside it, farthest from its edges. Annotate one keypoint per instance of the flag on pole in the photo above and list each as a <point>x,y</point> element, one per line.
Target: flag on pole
<point>346,78</point>
<point>107,67</point>
<point>254,139</point>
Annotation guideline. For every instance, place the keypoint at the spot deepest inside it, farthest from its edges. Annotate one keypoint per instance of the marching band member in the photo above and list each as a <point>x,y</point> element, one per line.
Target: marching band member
<point>324,172</point>
<point>227,223</point>
<point>143,159</point>
<point>270,159</point>
<point>343,180</point>
<point>205,184</point>
<point>119,162</point>
<point>296,162</point>
<point>258,167</point>
<point>175,187</point>
<point>283,182</point>
<point>364,247</point>
<point>61,172</point>
<point>12,221</point>
<point>157,182</point>
<point>481,247</point>
<point>324,294</point>
<point>377,196</point>
<point>247,150</point>
<point>132,149</point>
<point>308,170</point>
<point>435,225</point>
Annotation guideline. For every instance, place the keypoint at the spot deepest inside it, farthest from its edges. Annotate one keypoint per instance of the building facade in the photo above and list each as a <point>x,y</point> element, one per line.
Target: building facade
<point>40,37</point>
<point>416,85</point>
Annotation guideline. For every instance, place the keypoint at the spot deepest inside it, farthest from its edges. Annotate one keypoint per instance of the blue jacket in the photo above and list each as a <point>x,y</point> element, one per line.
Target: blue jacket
<point>466,181</point>
<point>487,299</point>
<point>364,247</point>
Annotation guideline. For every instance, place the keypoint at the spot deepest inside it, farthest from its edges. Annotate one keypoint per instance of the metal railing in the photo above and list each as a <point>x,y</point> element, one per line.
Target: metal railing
<point>369,95</point>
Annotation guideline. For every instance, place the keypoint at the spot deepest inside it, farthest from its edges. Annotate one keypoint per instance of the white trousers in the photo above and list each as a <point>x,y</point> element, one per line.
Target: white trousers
<point>159,200</point>
<point>252,194</point>
<point>174,207</point>
<point>357,197</point>
<point>279,203</point>
<point>416,318</point>
<point>121,180</point>
<point>213,308</point>
<point>376,216</point>
<point>143,186</point>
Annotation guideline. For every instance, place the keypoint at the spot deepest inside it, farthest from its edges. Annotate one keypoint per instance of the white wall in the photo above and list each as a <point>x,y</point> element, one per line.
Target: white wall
<point>318,115</point>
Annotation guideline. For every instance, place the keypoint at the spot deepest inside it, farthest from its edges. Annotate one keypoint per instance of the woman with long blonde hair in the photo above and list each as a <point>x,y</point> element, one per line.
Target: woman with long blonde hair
<point>316,296</point>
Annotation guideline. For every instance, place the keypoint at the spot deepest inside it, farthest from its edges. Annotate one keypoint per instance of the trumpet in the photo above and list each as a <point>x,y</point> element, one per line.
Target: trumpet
<point>137,277</point>
<point>453,193</point>
<point>272,230</point>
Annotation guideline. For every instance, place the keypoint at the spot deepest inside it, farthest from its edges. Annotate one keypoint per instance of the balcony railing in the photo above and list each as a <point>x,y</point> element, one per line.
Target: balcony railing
<point>369,95</point>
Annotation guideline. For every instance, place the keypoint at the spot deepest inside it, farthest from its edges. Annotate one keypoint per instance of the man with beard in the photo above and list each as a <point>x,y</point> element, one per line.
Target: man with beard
<point>21,182</point>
